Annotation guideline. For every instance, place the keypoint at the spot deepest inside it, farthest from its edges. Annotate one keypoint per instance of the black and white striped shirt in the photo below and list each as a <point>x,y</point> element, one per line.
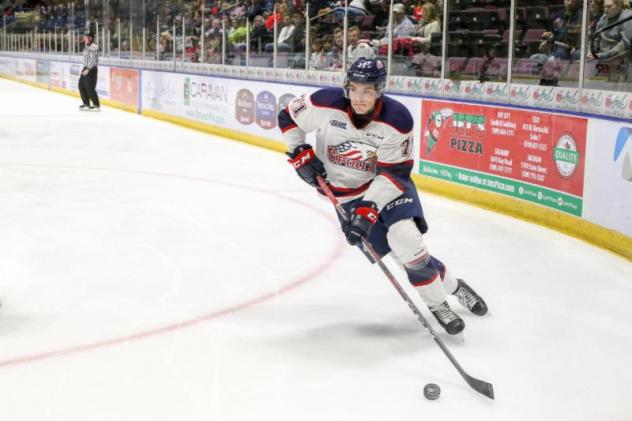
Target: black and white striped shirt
<point>90,56</point>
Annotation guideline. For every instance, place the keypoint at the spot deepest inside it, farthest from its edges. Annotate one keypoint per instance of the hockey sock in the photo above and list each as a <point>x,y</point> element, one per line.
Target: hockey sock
<point>407,244</point>
<point>450,284</point>
<point>430,289</point>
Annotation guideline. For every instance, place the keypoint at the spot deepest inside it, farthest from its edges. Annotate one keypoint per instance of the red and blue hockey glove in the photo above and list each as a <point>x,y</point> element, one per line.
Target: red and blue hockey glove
<point>363,217</point>
<point>306,163</point>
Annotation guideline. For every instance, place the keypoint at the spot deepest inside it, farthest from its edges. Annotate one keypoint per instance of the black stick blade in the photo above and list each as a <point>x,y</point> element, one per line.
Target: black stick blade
<point>481,387</point>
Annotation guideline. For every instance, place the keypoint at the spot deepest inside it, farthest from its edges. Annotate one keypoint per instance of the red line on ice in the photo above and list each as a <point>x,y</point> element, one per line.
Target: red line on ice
<point>189,322</point>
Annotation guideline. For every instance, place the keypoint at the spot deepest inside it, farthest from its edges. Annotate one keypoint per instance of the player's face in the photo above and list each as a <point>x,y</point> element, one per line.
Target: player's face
<point>362,96</point>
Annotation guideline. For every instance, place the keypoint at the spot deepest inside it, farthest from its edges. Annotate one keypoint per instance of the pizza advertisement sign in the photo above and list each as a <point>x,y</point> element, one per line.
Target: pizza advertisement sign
<point>530,155</point>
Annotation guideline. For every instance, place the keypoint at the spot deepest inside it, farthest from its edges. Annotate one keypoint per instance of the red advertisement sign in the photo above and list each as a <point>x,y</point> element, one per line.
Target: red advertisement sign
<point>531,147</point>
<point>124,86</point>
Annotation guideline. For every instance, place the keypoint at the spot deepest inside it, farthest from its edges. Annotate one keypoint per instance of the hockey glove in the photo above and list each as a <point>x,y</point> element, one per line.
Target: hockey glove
<point>363,217</point>
<point>306,163</point>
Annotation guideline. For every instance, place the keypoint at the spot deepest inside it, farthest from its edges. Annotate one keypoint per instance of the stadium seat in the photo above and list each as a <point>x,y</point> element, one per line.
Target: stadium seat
<point>459,43</point>
<point>477,43</point>
<point>473,66</point>
<point>536,13</point>
<point>436,43</point>
<point>457,5</point>
<point>455,64</point>
<point>532,39</point>
<point>431,67</point>
<point>456,20</point>
<point>497,70</point>
<point>527,67</point>
<point>476,19</point>
<point>572,72</point>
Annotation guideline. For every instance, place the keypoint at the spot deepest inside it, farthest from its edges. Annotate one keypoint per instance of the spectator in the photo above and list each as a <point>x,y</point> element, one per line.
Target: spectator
<point>545,51</point>
<point>316,6</point>
<point>298,20</point>
<point>596,11</point>
<point>282,10</point>
<point>418,11</point>
<point>334,55</point>
<point>339,38</point>
<point>328,42</point>
<point>239,35</point>
<point>238,10</point>
<point>259,35</point>
<point>430,24</point>
<point>362,50</point>
<point>215,30</point>
<point>353,36</point>
<point>285,39</point>
<point>402,26</point>
<point>612,46</point>
<point>317,59</point>
<point>256,8</point>
<point>566,33</point>
<point>358,8</point>
<point>231,25</point>
<point>421,55</point>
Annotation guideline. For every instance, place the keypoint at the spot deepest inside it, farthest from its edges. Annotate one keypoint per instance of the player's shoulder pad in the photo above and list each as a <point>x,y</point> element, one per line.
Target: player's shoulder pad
<point>396,115</point>
<point>330,98</point>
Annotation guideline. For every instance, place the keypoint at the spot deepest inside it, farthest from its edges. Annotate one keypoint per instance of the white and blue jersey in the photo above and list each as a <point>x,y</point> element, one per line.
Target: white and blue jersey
<point>373,161</point>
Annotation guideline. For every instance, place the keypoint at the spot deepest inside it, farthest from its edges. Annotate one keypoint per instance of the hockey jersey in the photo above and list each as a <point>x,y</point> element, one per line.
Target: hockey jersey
<point>373,161</point>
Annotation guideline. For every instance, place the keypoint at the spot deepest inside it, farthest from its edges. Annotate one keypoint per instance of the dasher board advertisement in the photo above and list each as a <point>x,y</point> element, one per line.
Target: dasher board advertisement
<point>608,195</point>
<point>533,156</point>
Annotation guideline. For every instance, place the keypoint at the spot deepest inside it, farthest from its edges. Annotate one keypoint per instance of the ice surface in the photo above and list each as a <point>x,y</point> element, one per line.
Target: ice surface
<point>151,272</point>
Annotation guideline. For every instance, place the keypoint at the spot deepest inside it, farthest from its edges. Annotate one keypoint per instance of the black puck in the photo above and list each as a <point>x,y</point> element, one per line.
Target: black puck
<point>432,391</point>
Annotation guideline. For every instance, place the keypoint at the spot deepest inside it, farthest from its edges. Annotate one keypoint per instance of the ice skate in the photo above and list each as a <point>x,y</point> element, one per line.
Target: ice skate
<point>448,320</point>
<point>84,107</point>
<point>470,299</point>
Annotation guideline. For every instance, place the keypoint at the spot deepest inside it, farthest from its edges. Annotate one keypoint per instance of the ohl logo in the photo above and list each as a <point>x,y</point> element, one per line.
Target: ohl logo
<point>624,137</point>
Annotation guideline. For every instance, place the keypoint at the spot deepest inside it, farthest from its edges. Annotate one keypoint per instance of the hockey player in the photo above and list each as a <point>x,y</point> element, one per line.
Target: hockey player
<point>363,150</point>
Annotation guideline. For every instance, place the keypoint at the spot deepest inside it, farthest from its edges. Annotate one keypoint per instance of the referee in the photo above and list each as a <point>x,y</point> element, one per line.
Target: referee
<point>88,78</point>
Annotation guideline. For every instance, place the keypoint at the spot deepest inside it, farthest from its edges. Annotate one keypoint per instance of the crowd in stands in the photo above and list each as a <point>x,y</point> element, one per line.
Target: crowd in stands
<point>546,41</point>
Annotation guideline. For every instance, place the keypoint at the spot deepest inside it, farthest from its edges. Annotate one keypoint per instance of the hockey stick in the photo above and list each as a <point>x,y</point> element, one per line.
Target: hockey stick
<point>479,385</point>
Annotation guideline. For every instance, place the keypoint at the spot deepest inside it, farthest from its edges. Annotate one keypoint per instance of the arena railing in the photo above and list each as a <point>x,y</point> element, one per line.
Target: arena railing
<point>524,52</point>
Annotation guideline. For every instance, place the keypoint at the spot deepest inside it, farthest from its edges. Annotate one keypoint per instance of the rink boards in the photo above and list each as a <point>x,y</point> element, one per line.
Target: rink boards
<point>562,169</point>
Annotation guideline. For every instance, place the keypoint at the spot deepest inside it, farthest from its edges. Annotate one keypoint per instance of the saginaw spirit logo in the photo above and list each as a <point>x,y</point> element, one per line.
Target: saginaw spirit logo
<point>353,154</point>
<point>565,155</point>
<point>466,131</point>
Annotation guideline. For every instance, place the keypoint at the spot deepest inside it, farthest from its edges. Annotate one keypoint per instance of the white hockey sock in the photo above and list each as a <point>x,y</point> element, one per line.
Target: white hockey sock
<point>450,283</point>
<point>409,249</point>
<point>433,293</point>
